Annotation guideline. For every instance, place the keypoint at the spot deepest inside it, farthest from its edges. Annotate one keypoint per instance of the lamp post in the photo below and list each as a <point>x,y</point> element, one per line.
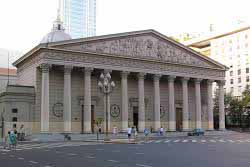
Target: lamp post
<point>106,86</point>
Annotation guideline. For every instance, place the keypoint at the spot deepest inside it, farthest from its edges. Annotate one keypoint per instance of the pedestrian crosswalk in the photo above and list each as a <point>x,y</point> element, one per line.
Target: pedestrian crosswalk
<point>194,141</point>
<point>46,145</point>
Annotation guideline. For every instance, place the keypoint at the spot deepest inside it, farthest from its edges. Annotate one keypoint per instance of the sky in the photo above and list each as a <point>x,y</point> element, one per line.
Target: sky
<point>23,23</point>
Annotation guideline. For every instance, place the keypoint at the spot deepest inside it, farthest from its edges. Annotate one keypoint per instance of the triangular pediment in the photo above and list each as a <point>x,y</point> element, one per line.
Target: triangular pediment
<point>147,44</point>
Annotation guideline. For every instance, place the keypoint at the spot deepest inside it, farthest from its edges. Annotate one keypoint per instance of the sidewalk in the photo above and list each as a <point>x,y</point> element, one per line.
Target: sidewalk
<point>121,137</point>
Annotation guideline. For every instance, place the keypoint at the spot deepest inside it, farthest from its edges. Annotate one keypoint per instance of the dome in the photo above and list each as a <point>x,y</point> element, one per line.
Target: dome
<point>55,36</point>
<point>57,33</point>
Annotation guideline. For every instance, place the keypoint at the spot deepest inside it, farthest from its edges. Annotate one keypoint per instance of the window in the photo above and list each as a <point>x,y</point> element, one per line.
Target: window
<point>14,119</point>
<point>246,45</point>
<point>232,89</point>
<point>231,73</point>
<point>247,70</point>
<point>239,89</point>
<point>247,79</point>
<point>239,72</point>
<point>231,81</point>
<point>14,110</point>
<point>239,80</point>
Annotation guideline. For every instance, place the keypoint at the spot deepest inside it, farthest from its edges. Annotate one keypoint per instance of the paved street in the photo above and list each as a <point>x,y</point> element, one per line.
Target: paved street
<point>227,150</point>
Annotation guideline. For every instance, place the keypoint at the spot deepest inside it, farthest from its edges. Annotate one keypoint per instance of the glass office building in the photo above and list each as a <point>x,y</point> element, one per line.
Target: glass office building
<point>79,17</point>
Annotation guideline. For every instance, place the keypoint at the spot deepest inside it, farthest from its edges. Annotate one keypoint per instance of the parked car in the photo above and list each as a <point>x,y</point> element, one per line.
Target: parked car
<point>196,132</point>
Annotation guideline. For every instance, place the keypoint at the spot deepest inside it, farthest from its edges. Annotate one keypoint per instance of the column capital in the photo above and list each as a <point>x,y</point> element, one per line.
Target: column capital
<point>185,79</point>
<point>141,75</point>
<point>157,77</point>
<point>124,74</point>
<point>68,69</point>
<point>171,78</point>
<point>45,67</point>
<point>88,70</point>
<point>210,82</point>
<point>221,82</point>
<point>198,80</point>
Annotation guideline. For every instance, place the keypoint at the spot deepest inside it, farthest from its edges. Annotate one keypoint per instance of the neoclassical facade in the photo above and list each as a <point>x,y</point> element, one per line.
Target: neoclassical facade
<point>159,82</point>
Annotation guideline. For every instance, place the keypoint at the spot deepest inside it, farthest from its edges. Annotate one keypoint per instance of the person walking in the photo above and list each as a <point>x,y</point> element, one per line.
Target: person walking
<point>161,131</point>
<point>129,130</point>
<point>114,131</point>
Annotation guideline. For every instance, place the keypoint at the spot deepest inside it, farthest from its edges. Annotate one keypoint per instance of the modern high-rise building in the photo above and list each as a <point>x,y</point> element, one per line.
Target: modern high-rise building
<point>231,49</point>
<point>78,17</point>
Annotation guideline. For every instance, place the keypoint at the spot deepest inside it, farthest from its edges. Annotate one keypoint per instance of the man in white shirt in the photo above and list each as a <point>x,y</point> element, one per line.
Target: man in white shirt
<point>129,130</point>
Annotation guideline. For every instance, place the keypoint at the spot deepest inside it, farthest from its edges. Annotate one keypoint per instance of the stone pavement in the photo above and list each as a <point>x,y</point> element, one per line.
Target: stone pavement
<point>93,137</point>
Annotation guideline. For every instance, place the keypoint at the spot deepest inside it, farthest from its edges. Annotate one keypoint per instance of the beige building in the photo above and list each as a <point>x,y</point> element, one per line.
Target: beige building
<point>231,49</point>
<point>159,82</point>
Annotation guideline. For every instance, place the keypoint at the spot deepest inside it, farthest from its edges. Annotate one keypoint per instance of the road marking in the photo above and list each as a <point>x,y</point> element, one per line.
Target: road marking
<point>194,141</point>
<point>150,141</point>
<point>90,157</point>
<point>20,158</point>
<point>176,141</point>
<point>166,141</point>
<point>72,154</point>
<point>231,141</point>
<point>143,165</point>
<point>221,140</point>
<point>99,149</point>
<point>110,160</point>
<point>4,153</point>
<point>33,162</point>
<point>139,153</point>
<point>184,141</point>
<point>158,141</point>
<point>213,141</point>
<point>240,141</point>
<point>203,141</point>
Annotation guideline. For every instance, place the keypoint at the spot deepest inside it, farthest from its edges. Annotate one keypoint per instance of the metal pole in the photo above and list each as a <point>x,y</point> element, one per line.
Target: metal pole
<point>106,94</point>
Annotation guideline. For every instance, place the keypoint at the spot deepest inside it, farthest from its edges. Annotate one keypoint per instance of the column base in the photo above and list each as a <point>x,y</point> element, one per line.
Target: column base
<point>185,130</point>
<point>222,129</point>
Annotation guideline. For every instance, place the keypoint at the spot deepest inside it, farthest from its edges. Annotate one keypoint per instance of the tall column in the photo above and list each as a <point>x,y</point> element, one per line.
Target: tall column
<point>67,98</point>
<point>171,101</point>
<point>87,99</point>
<point>198,102</point>
<point>221,105</point>
<point>157,102</point>
<point>141,102</point>
<point>124,77</point>
<point>45,98</point>
<point>210,105</point>
<point>185,115</point>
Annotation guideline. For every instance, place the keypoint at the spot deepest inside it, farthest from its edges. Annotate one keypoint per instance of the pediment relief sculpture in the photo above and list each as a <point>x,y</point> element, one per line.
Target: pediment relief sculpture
<point>144,47</point>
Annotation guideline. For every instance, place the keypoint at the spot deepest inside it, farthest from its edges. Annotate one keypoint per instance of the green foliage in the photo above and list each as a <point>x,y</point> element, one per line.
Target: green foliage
<point>238,109</point>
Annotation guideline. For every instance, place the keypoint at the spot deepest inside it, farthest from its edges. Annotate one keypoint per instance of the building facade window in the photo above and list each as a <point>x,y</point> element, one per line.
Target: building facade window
<point>247,70</point>
<point>239,72</point>
<point>231,81</point>
<point>239,80</point>
<point>231,73</point>
<point>247,79</point>
<point>232,90</point>
<point>14,110</point>
<point>14,119</point>
<point>239,89</point>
